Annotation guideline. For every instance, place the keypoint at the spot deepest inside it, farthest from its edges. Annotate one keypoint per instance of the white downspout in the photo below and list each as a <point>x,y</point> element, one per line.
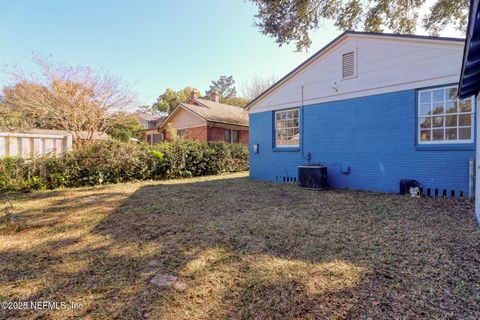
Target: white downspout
<point>477,162</point>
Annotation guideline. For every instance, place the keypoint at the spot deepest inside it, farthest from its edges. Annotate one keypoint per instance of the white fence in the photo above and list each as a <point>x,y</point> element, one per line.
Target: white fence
<point>28,145</point>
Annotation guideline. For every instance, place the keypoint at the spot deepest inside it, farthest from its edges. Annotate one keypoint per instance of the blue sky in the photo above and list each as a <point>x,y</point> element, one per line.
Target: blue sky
<point>151,45</point>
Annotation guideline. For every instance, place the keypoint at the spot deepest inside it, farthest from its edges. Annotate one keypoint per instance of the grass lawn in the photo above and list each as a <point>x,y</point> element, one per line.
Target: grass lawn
<point>243,249</point>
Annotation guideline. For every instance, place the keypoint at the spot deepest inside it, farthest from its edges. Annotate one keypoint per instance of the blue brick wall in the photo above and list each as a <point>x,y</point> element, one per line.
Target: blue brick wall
<point>375,136</point>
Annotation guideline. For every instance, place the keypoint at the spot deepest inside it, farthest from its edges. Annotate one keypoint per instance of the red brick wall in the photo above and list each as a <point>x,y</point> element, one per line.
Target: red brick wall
<point>244,137</point>
<point>218,134</point>
<point>194,134</point>
<point>197,134</point>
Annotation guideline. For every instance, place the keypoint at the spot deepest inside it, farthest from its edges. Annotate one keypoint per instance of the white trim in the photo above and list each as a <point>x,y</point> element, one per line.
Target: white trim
<point>343,38</point>
<point>287,145</point>
<point>361,93</point>
<point>444,127</point>
<point>275,128</point>
<point>477,168</point>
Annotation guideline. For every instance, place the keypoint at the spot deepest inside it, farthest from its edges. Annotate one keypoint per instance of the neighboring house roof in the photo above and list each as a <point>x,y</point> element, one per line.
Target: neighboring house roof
<point>156,123</point>
<point>213,112</point>
<point>314,57</point>
<point>470,77</point>
<point>151,116</point>
<point>150,120</point>
<point>83,135</point>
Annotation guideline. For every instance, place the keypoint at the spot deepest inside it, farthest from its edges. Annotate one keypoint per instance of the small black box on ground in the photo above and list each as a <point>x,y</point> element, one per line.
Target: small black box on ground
<point>406,184</point>
<point>312,176</point>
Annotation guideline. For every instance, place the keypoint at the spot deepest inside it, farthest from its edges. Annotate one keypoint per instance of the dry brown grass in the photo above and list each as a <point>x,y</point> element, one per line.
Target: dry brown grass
<point>245,250</point>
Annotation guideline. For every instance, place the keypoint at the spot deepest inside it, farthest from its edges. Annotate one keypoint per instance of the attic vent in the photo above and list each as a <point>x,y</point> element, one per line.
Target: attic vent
<point>348,65</point>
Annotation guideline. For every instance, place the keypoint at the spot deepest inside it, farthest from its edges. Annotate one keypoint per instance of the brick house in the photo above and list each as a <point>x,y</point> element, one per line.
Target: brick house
<point>206,121</point>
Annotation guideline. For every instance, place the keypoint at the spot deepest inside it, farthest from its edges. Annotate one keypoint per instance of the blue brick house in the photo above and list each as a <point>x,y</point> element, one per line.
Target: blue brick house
<point>374,108</point>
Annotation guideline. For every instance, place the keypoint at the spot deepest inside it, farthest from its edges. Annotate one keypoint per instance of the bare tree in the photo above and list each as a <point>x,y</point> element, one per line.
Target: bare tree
<point>75,99</point>
<point>253,88</point>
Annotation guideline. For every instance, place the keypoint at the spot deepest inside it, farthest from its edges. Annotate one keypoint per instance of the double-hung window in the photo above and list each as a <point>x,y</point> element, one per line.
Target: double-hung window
<point>231,136</point>
<point>443,118</point>
<point>287,132</point>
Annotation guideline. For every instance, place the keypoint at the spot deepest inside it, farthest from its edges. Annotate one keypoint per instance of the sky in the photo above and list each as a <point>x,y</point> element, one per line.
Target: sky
<point>151,45</point>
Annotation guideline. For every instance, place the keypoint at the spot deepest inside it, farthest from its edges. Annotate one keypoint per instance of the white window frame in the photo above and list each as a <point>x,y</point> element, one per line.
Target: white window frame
<point>444,127</point>
<point>275,129</point>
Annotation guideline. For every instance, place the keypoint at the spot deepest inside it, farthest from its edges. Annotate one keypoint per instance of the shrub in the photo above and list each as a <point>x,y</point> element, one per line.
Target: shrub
<point>114,161</point>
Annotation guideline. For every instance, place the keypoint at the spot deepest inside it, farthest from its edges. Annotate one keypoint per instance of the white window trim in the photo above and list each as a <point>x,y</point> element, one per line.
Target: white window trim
<point>275,129</point>
<point>355,64</point>
<point>472,114</point>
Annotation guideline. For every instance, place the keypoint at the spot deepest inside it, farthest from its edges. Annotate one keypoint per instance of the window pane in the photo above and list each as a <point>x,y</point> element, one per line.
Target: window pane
<point>236,136</point>
<point>426,97</point>
<point>451,121</point>
<point>425,135</point>
<point>438,121</point>
<point>227,135</point>
<point>286,126</point>
<point>451,106</point>
<point>442,117</point>
<point>438,95</point>
<point>452,93</point>
<point>425,109</point>
<point>438,108</point>
<point>466,105</point>
<point>296,136</point>
<point>437,134</point>
<point>451,134</point>
<point>425,122</point>
<point>157,138</point>
<point>279,138</point>
<point>464,133</point>
<point>465,120</point>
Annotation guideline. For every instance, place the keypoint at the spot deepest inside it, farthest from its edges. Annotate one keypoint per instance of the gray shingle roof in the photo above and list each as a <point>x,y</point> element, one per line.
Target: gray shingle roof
<point>218,112</point>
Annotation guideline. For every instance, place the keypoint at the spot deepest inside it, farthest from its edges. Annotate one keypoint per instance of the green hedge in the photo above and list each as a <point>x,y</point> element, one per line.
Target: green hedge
<point>114,161</point>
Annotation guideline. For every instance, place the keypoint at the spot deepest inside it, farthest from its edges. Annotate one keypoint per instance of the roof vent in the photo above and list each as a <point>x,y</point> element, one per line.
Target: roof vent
<point>348,65</point>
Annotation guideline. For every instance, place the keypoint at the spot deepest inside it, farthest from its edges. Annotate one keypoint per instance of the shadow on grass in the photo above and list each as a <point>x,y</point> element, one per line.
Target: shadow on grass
<point>248,250</point>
